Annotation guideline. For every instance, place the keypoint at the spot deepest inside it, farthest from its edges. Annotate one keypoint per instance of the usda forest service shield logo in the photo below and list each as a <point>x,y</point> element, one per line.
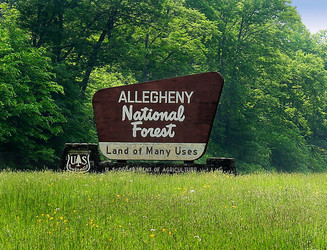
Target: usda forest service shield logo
<point>78,161</point>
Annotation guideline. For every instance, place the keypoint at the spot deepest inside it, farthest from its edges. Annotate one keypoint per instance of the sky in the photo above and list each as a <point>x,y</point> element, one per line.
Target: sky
<point>313,13</point>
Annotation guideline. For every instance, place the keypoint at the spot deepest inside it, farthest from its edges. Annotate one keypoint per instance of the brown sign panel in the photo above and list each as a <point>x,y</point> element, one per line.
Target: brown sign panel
<point>168,119</point>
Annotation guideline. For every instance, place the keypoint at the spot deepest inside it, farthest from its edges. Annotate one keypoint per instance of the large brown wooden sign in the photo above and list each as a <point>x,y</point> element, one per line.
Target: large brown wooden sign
<point>168,119</point>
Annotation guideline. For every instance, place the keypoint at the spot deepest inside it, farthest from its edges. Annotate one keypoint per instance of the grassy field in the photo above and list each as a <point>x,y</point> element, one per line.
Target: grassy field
<point>142,211</point>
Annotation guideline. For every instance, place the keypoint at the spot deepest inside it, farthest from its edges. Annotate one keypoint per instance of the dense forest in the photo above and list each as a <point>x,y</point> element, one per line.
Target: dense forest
<point>55,54</point>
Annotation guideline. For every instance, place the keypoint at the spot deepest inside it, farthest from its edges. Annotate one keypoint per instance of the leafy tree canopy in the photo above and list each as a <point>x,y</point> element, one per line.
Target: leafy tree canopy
<point>29,116</point>
<point>272,114</point>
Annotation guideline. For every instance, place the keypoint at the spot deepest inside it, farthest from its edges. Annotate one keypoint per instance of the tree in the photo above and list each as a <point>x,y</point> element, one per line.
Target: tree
<point>29,117</point>
<point>79,32</point>
<point>268,97</point>
<point>172,44</point>
<point>79,36</point>
<point>272,114</point>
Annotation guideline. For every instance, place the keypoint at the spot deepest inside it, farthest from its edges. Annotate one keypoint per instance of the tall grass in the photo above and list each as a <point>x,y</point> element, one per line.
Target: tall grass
<point>126,210</point>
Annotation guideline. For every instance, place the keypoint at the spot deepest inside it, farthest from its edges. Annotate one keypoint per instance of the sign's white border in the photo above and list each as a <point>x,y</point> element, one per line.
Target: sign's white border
<point>152,151</point>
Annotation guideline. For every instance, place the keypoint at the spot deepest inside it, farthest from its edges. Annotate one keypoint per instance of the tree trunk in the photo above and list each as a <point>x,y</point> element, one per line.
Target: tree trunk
<point>94,55</point>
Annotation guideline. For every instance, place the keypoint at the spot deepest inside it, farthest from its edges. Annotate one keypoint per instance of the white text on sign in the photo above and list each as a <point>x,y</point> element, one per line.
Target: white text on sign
<point>138,117</point>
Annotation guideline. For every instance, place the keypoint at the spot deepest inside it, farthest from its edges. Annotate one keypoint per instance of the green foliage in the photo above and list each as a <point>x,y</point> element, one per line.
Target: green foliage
<point>275,85</point>
<point>29,116</point>
<point>273,109</point>
<point>171,45</point>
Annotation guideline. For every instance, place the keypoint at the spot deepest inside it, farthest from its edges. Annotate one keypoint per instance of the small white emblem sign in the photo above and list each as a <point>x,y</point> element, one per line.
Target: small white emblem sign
<point>78,162</point>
